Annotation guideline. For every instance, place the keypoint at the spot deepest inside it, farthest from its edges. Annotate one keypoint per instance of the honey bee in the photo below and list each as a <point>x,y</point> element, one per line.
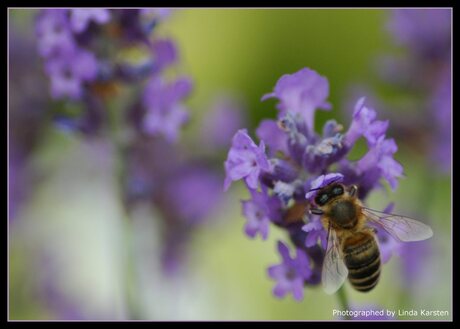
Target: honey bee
<point>352,250</point>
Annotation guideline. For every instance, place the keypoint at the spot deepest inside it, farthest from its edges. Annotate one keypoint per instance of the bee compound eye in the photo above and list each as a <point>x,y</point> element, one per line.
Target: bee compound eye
<point>338,190</point>
<point>322,199</point>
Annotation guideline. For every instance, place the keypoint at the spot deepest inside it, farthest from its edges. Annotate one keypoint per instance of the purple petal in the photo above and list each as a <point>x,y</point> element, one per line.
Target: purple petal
<point>80,18</point>
<point>284,251</point>
<point>301,93</point>
<point>276,271</point>
<point>297,289</point>
<point>275,138</point>
<point>165,52</point>
<point>280,290</point>
<point>322,181</point>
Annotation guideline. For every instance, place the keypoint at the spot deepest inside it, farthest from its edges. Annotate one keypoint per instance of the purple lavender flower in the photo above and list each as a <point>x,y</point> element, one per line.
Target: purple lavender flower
<point>165,112</point>
<point>301,162</point>
<point>380,157</point>
<point>54,36</point>
<point>290,274</point>
<point>301,93</point>
<point>259,211</point>
<point>316,232</point>
<point>245,160</point>
<point>68,73</point>
<point>364,124</point>
<point>80,18</point>
<point>81,65</point>
<point>275,138</point>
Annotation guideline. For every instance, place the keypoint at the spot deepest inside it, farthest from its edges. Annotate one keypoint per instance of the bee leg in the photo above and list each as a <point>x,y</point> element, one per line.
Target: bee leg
<point>316,211</point>
<point>353,189</point>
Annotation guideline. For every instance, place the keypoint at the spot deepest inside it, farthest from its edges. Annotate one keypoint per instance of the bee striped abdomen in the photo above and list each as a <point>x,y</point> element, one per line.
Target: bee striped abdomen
<point>362,258</point>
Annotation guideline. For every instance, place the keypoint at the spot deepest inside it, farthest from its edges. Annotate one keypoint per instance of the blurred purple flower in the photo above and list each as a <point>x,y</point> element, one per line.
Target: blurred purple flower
<point>245,160</point>
<point>164,52</point>
<point>291,273</point>
<point>193,193</point>
<point>301,93</point>
<point>414,258</point>
<point>27,107</point>
<point>80,18</point>
<point>125,65</point>
<point>165,112</point>
<point>225,117</point>
<point>16,186</point>
<point>388,246</point>
<point>421,73</point>
<point>54,36</point>
<point>68,73</point>
<point>441,104</point>
<point>426,32</point>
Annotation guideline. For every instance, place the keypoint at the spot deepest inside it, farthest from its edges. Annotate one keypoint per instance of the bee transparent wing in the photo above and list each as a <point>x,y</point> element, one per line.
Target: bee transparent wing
<point>334,271</point>
<point>402,228</point>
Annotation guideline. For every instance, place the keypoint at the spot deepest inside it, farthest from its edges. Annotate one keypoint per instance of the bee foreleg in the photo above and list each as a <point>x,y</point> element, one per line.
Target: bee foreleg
<point>316,211</point>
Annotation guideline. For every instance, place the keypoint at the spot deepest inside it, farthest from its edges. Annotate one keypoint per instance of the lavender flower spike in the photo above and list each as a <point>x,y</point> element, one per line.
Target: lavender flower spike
<point>245,160</point>
<point>301,163</point>
<point>301,93</point>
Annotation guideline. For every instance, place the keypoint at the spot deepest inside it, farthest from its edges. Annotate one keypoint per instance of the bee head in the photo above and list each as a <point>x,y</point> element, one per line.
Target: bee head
<point>328,193</point>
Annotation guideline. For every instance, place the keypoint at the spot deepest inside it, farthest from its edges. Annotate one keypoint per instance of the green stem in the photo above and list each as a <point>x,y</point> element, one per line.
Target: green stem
<point>343,301</point>
<point>129,261</point>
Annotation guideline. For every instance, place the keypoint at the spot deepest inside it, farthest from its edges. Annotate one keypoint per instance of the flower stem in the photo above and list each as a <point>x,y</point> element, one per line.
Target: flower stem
<point>343,301</point>
<point>129,254</point>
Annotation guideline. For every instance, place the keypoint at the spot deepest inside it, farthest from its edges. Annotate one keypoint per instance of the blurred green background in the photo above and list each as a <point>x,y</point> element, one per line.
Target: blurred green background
<point>73,215</point>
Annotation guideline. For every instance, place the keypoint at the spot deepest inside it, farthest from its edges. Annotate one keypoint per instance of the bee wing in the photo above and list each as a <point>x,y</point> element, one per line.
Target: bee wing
<point>402,228</point>
<point>334,271</point>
